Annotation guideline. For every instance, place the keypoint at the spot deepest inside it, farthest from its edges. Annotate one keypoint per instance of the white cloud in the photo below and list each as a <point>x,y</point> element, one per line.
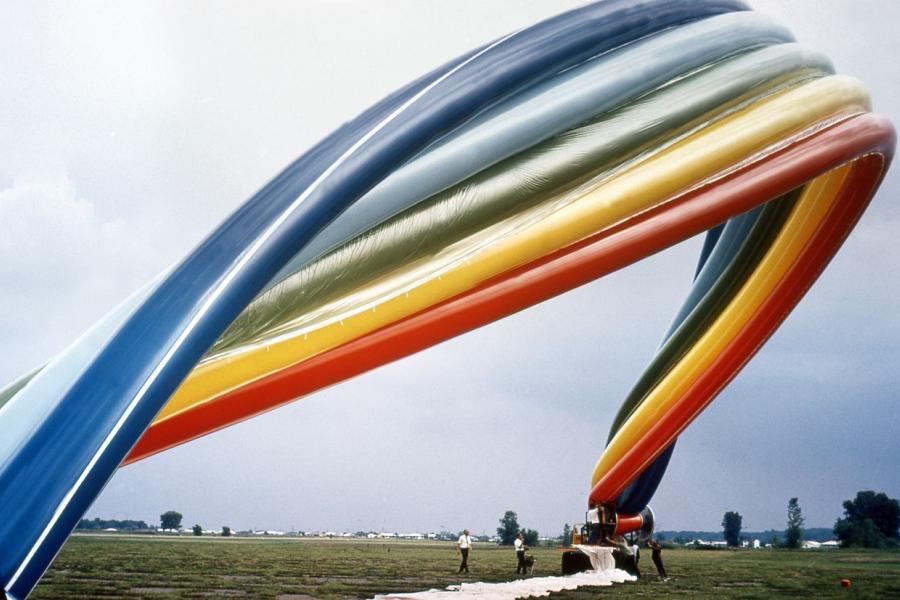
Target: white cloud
<point>63,266</point>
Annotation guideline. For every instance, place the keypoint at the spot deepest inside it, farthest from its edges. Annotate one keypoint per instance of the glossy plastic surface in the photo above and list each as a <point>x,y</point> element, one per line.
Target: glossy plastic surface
<point>532,165</point>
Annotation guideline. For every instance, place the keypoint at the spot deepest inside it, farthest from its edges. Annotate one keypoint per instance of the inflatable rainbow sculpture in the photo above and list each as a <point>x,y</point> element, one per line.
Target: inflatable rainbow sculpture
<point>523,169</point>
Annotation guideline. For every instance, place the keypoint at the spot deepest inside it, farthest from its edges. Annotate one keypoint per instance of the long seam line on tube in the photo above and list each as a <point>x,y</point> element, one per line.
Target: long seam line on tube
<point>221,288</point>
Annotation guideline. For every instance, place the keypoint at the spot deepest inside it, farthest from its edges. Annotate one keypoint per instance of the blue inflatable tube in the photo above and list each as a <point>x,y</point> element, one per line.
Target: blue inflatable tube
<point>539,172</point>
<point>724,264</point>
<point>719,249</point>
<point>31,404</point>
<point>555,105</point>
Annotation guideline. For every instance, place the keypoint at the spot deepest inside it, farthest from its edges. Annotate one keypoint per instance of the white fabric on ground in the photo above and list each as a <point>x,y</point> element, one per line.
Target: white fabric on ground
<point>519,588</point>
<point>601,556</point>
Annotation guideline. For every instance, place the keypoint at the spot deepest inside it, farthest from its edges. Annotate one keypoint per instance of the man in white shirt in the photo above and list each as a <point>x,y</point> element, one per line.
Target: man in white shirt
<point>463,546</point>
<point>519,545</point>
<point>594,522</point>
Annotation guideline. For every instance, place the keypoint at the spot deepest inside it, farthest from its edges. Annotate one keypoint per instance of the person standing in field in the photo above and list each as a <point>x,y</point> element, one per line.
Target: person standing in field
<point>655,546</point>
<point>519,545</point>
<point>463,545</point>
<point>636,550</point>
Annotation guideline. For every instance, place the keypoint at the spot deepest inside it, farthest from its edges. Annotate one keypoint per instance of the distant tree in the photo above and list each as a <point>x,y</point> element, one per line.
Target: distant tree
<point>509,528</point>
<point>776,543</point>
<point>531,537</point>
<point>226,531</point>
<point>864,534</point>
<point>170,520</point>
<point>566,538</point>
<point>871,521</point>
<point>731,527</point>
<point>793,535</point>
<point>197,530</point>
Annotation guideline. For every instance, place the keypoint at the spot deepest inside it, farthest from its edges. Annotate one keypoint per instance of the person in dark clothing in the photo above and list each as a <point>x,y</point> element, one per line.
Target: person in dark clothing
<point>657,558</point>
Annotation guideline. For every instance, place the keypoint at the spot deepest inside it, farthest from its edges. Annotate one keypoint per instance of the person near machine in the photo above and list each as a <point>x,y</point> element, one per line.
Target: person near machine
<point>656,548</point>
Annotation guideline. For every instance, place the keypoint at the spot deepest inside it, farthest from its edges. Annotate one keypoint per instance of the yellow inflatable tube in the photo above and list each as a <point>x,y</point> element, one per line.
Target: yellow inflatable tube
<point>811,209</point>
<point>705,154</point>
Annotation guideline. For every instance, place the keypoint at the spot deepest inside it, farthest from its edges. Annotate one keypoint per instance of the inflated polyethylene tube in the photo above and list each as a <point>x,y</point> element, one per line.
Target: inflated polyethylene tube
<point>39,392</point>
<point>676,168</point>
<point>753,183</point>
<point>532,177</point>
<point>799,227</point>
<point>795,259</point>
<point>13,388</point>
<point>709,242</point>
<point>707,387</point>
<point>751,235</point>
<point>551,107</point>
<point>732,239</point>
<point>716,247</point>
<point>766,319</point>
<point>66,461</point>
<point>754,69</point>
<point>301,172</point>
<point>741,246</point>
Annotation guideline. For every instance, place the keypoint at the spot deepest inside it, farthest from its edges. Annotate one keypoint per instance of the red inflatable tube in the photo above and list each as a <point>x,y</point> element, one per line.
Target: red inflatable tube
<point>674,221</point>
<point>848,207</point>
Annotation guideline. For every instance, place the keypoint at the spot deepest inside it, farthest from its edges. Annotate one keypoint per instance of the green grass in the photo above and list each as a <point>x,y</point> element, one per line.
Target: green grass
<point>113,566</point>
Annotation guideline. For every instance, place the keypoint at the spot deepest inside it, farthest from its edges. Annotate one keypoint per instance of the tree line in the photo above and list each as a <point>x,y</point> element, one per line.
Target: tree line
<point>871,520</point>
<point>123,525</point>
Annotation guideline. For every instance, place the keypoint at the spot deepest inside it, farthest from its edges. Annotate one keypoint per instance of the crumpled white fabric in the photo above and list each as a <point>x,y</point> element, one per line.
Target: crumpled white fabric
<point>520,588</point>
<point>601,556</point>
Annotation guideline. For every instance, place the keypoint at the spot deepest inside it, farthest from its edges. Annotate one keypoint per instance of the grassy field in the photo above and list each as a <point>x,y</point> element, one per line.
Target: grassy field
<point>100,566</point>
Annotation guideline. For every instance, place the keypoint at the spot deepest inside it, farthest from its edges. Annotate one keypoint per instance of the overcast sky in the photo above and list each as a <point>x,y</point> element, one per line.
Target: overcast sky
<point>129,130</point>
